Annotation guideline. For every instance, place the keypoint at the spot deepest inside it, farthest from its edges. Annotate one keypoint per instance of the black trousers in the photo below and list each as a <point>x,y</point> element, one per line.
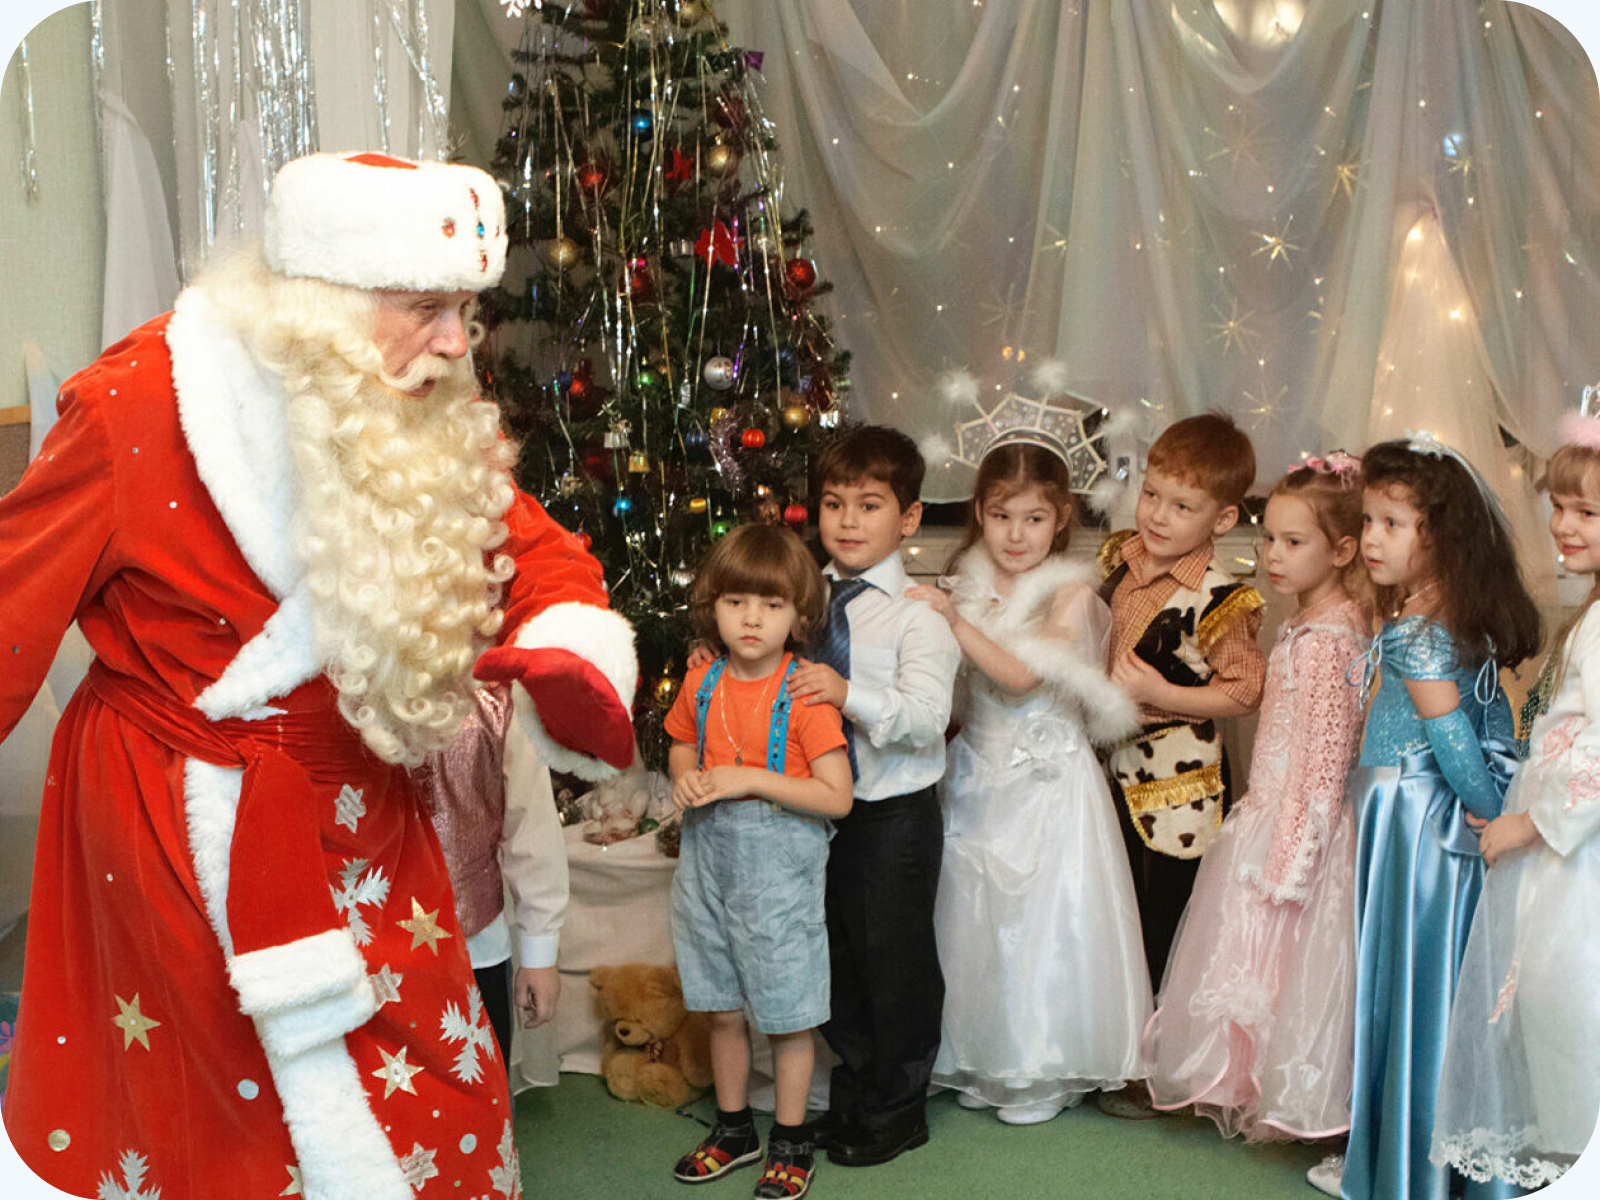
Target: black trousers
<point>888,991</point>
<point>495,985</point>
<point>1161,884</point>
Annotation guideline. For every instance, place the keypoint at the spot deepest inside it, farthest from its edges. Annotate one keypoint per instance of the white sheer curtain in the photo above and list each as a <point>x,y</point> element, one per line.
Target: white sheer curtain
<point>1198,204</point>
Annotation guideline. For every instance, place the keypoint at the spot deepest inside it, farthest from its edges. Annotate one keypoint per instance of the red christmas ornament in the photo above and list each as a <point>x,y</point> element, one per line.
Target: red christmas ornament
<point>729,112</point>
<point>752,439</point>
<point>718,244</point>
<point>593,175</point>
<point>682,168</point>
<point>599,465</point>
<point>638,283</point>
<point>800,275</point>
<point>795,514</point>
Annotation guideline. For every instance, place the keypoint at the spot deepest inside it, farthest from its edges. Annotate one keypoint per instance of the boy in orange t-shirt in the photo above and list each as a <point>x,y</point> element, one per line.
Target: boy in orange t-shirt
<point>755,778</point>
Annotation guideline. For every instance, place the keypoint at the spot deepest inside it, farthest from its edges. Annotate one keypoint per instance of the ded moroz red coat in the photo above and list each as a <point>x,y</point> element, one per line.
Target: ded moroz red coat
<point>244,975</point>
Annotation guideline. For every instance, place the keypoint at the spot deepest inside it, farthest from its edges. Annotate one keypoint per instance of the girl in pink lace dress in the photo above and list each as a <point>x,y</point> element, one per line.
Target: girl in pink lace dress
<point>1253,1024</point>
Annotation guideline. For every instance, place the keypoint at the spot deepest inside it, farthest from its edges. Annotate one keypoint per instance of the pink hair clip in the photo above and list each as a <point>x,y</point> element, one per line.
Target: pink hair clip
<point>1582,428</point>
<point>1336,462</point>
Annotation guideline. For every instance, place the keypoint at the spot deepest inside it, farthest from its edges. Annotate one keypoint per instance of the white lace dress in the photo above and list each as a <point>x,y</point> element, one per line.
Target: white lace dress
<point>1046,985</point>
<point>1521,1084</point>
<point>1255,1014</point>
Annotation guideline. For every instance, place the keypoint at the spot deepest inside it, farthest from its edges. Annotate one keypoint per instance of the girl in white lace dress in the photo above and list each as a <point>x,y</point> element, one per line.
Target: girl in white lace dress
<point>1254,1020</point>
<point>1038,930</point>
<point>1521,1082</point>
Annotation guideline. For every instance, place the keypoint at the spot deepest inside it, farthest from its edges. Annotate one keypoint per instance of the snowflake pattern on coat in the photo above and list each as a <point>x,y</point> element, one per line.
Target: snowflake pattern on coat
<point>474,1030</point>
<point>371,888</point>
<point>134,1167</point>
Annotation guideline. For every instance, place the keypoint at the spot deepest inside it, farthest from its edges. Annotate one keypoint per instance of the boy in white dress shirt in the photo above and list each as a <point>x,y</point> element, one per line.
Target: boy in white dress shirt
<point>889,664</point>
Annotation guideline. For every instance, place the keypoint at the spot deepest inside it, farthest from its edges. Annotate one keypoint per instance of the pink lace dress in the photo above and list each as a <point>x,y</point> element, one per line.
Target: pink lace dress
<point>1253,1021</point>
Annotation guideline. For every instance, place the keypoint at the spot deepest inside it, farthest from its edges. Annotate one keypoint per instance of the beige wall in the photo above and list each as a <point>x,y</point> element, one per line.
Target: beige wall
<point>52,248</point>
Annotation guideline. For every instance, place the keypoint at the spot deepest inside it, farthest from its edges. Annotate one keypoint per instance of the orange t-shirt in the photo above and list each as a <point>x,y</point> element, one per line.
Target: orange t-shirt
<point>740,717</point>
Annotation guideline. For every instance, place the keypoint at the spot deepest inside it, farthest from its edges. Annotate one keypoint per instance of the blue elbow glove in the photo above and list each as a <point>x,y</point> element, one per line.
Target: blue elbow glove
<point>1462,760</point>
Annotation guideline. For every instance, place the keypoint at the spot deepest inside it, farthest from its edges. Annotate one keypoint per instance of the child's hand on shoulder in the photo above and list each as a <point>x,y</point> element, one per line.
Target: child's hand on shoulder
<point>937,600</point>
<point>1143,683</point>
<point>1507,835</point>
<point>818,683</point>
<point>700,655</point>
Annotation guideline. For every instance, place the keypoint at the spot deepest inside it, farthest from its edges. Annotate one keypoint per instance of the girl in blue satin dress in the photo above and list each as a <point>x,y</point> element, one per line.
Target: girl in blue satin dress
<point>1433,768</point>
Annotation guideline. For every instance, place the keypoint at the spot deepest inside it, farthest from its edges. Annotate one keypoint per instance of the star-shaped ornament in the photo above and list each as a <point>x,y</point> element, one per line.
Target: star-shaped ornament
<point>296,1186</point>
<point>682,168</point>
<point>386,985</point>
<point>134,1024</point>
<point>396,1073</point>
<point>423,927</point>
<point>717,244</point>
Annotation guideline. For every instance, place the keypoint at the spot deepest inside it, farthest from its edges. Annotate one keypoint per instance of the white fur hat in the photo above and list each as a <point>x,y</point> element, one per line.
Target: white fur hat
<point>372,221</point>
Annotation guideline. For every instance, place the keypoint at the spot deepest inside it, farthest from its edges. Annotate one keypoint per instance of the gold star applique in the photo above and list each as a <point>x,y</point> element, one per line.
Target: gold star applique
<point>134,1024</point>
<point>396,1073</point>
<point>423,927</point>
<point>1276,245</point>
<point>295,1185</point>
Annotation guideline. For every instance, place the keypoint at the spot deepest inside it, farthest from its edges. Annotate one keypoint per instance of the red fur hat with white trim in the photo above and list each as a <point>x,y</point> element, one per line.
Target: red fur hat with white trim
<point>372,221</point>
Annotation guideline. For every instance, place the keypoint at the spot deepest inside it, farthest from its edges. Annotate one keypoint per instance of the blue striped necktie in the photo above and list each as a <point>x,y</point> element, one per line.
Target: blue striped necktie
<point>833,648</point>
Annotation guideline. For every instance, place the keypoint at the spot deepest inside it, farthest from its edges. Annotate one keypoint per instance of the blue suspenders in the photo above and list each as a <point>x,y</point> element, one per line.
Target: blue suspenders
<point>778,727</point>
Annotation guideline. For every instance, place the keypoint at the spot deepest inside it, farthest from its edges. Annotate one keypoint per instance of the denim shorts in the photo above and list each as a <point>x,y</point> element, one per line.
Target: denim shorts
<point>747,914</point>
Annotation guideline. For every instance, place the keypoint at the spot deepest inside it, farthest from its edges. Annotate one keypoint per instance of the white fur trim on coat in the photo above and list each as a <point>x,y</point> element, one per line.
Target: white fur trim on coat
<point>286,976</point>
<point>235,419</point>
<point>1106,710</point>
<point>342,1150</point>
<point>386,223</point>
<point>273,663</point>
<point>592,633</point>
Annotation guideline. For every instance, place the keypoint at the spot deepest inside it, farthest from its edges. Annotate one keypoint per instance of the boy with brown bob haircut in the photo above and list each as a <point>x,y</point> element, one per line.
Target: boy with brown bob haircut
<point>1183,646</point>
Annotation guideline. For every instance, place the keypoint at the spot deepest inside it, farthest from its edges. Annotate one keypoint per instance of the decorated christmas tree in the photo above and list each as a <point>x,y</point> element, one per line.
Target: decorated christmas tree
<point>655,345</point>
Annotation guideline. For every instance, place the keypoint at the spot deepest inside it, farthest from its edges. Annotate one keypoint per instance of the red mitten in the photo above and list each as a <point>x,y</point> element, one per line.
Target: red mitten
<point>576,703</point>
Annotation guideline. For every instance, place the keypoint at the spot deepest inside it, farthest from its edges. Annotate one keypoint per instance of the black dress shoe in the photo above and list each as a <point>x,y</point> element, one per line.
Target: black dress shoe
<point>869,1147</point>
<point>829,1129</point>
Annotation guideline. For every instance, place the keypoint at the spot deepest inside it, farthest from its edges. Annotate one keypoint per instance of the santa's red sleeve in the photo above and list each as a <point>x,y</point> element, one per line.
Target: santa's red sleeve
<point>557,600</point>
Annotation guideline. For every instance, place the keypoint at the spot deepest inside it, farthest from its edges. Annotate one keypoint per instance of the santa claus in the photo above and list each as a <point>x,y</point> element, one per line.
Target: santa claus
<point>284,521</point>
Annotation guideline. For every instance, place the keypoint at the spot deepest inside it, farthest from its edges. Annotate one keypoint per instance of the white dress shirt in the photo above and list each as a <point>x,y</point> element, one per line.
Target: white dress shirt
<point>533,861</point>
<point>903,661</point>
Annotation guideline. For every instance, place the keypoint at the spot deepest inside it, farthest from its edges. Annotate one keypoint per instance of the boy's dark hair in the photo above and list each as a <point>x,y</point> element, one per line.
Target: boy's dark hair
<point>874,452</point>
<point>1482,600</point>
<point>1209,452</point>
<point>758,560</point>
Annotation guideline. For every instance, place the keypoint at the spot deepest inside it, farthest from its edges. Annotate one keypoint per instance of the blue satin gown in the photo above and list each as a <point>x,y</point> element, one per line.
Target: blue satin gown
<point>1418,875</point>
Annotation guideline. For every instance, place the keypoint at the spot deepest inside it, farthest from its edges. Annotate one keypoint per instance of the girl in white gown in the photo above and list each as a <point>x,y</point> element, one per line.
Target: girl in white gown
<point>1047,988</point>
<point>1521,1085</point>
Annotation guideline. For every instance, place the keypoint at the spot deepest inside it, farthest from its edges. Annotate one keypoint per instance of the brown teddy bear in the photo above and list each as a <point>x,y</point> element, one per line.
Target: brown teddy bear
<point>653,1050</point>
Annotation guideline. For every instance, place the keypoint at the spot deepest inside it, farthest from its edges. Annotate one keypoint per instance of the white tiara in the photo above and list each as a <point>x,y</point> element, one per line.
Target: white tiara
<point>1060,424</point>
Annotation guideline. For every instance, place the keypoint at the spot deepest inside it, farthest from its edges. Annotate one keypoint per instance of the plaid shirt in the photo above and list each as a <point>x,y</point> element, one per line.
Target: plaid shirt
<point>1240,669</point>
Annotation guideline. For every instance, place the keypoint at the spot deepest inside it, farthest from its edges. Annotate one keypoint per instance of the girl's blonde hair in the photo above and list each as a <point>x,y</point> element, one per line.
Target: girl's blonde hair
<point>1334,496</point>
<point>1573,471</point>
<point>758,560</point>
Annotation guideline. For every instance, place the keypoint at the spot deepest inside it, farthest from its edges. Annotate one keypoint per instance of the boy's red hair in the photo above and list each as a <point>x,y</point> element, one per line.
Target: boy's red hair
<point>1209,452</point>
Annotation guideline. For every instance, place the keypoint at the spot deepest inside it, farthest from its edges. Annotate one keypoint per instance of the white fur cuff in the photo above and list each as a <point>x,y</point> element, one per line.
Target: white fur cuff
<point>284,1034</point>
<point>597,635</point>
<point>297,973</point>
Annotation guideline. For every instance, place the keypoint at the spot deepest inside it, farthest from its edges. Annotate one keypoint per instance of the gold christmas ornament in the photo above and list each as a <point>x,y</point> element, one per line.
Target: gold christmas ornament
<point>639,463</point>
<point>698,504</point>
<point>666,691</point>
<point>561,253</point>
<point>796,416</point>
<point>769,512</point>
<point>690,12</point>
<point>717,414</point>
<point>722,159</point>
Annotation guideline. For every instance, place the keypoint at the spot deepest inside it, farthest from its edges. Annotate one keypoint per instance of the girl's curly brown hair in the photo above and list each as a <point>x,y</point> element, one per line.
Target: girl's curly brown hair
<point>1482,599</point>
<point>758,560</point>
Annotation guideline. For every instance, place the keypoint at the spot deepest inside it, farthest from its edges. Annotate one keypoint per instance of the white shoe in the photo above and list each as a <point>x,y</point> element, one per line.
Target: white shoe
<point>968,1100</point>
<point>1327,1175</point>
<point>1030,1114</point>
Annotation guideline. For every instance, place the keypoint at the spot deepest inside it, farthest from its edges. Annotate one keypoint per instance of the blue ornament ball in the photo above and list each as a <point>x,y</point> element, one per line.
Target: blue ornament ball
<point>643,122</point>
<point>622,507</point>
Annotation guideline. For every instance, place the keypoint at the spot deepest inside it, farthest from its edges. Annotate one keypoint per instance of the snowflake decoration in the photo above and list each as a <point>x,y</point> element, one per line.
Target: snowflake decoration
<point>1232,328</point>
<point>371,888</point>
<point>507,1178</point>
<point>349,808</point>
<point>471,1029</point>
<point>134,1167</point>
<point>1065,424</point>
<point>1276,245</point>
<point>417,1167</point>
<point>1346,175</point>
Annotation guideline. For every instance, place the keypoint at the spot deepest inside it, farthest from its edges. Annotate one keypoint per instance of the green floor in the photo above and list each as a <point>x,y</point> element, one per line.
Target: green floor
<point>578,1143</point>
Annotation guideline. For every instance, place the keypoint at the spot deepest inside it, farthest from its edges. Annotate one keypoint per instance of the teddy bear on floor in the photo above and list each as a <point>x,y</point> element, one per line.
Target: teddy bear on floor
<point>653,1050</point>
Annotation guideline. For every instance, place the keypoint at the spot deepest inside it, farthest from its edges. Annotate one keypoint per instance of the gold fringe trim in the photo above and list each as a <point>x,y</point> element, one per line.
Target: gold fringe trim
<point>1177,791</point>
<point>1107,557</point>
<point>1214,624</point>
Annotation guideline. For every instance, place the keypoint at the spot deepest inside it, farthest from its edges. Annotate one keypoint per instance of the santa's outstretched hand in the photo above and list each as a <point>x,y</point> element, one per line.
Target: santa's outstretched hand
<point>575,702</point>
